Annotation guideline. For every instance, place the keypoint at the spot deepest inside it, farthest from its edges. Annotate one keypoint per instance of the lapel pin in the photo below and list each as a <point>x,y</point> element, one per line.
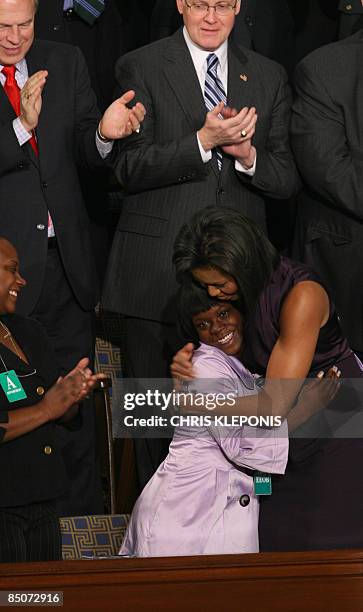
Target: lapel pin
<point>243,77</point>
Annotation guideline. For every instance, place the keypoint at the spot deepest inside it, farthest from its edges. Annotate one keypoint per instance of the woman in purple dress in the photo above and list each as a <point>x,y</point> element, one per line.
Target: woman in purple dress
<point>201,499</point>
<point>291,332</point>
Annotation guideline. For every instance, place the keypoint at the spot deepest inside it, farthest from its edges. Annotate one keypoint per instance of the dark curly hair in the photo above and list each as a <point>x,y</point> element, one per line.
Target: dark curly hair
<point>222,238</point>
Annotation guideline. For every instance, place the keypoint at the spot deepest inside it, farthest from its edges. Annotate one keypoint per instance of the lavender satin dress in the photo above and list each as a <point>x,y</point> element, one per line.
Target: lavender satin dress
<point>191,506</point>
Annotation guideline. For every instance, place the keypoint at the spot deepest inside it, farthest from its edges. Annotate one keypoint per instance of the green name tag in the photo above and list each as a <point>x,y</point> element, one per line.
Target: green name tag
<point>262,484</point>
<point>12,386</point>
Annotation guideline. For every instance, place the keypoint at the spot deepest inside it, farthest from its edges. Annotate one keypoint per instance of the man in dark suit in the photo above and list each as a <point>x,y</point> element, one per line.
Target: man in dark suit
<point>327,140</point>
<point>48,126</point>
<point>263,25</point>
<point>171,169</point>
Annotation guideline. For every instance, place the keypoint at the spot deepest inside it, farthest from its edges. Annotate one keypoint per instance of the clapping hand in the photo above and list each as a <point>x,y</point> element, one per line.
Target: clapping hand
<point>70,390</point>
<point>31,100</point>
<point>231,130</point>
<point>243,150</point>
<point>120,121</point>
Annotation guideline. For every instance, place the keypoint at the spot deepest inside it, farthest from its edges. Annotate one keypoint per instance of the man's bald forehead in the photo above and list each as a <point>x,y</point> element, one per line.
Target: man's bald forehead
<point>15,2</point>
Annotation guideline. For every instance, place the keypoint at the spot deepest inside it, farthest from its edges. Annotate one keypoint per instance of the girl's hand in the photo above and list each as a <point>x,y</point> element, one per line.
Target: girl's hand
<point>181,367</point>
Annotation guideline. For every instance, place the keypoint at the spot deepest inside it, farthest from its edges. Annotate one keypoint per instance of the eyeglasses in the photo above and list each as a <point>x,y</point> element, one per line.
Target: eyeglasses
<point>202,8</point>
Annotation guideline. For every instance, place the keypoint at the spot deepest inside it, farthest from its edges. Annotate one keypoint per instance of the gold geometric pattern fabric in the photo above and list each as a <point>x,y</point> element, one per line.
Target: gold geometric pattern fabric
<point>109,334</point>
<point>94,535</point>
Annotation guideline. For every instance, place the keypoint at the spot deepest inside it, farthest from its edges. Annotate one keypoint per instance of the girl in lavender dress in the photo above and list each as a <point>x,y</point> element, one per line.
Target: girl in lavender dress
<point>201,499</point>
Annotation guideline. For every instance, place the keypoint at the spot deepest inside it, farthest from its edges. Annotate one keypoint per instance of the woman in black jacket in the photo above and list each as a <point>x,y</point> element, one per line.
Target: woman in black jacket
<point>34,404</point>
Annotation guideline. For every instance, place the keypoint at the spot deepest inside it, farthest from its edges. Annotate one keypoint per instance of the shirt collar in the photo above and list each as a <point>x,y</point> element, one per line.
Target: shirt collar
<point>199,55</point>
<point>20,66</point>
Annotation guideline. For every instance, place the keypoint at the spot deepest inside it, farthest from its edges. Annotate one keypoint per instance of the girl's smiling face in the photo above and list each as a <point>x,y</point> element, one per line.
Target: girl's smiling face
<point>220,326</point>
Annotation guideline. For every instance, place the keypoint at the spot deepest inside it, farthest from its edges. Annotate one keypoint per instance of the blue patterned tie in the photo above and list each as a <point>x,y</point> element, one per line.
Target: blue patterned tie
<point>89,10</point>
<point>214,92</point>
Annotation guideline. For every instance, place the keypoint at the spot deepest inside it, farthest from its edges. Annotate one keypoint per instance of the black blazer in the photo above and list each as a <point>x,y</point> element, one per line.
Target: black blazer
<point>327,140</point>
<point>32,466</point>
<point>163,174</point>
<point>30,185</point>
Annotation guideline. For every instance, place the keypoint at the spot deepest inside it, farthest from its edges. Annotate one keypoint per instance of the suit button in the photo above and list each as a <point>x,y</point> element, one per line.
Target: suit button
<point>244,500</point>
<point>20,166</point>
<point>348,7</point>
<point>44,185</point>
<point>220,191</point>
<point>40,226</point>
<point>69,14</point>
<point>40,390</point>
<point>57,27</point>
<point>249,20</point>
<point>47,450</point>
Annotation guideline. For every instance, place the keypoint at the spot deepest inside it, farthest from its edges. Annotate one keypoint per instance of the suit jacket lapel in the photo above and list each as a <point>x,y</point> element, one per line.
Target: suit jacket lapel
<point>240,89</point>
<point>180,72</point>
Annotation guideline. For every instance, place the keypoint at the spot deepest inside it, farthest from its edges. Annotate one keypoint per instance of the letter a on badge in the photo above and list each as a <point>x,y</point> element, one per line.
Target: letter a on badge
<point>11,385</point>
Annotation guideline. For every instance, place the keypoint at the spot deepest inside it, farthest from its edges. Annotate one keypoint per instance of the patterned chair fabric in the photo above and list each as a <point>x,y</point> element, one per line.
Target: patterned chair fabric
<point>90,536</point>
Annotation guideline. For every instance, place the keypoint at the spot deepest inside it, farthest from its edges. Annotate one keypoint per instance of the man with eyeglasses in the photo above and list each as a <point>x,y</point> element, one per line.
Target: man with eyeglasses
<point>185,158</point>
<point>266,26</point>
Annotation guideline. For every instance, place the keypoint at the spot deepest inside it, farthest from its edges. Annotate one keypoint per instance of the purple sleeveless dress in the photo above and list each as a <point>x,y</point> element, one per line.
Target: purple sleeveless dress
<point>318,504</point>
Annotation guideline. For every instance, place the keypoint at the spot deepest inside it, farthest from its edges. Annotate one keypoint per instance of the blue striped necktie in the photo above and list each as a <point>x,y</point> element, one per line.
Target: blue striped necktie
<point>214,92</point>
<point>89,10</point>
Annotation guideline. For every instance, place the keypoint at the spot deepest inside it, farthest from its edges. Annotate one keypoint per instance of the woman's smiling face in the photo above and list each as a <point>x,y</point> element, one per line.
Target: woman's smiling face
<point>218,284</point>
<point>220,326</point>
<point>10,280</point>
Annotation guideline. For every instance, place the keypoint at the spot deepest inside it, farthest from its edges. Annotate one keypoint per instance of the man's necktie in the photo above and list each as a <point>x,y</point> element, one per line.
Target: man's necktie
<point>89,10</point>
<point>214,92</point>
<point>12,90</point>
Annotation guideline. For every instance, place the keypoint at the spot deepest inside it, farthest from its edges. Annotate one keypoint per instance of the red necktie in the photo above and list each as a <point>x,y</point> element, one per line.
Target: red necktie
<point>12,90</point>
